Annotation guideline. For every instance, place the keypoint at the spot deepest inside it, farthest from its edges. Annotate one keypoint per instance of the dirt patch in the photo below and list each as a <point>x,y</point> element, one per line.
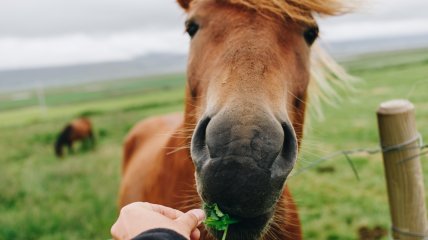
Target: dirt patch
<point>328,169</point>
<point>376,233</point>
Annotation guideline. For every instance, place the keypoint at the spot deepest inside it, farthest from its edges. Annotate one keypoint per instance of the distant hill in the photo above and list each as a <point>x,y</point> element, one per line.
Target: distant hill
<point>150,64</point>
<point>352,49</point>
<point>161,63</point>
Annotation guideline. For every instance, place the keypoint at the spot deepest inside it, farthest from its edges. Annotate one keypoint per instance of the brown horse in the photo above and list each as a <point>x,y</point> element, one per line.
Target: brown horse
<point>249,70</point>
<point>78,130</point>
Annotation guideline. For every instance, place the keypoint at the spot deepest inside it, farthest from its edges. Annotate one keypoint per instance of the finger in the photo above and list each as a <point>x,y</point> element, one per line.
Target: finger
<point>136,208</point>
<point>191,219</point>
<point>196,234</point>
<point>117,231</point>
<point>167,211</point>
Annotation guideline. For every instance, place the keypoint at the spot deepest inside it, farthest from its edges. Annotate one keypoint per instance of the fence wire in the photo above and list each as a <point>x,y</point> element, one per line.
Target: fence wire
<point>370,151</point>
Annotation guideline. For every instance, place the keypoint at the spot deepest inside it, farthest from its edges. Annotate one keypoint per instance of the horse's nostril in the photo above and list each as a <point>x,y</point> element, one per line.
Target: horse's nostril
<point>288,153</point>
<point>199,149</point>
<point>289,150</point>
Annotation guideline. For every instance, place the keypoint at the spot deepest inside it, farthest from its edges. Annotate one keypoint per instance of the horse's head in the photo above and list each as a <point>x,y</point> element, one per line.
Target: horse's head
<point>248,73</point>
<point>62,140</point>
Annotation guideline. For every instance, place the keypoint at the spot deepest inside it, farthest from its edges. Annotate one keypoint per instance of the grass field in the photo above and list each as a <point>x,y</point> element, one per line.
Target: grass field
<point>75,198</point>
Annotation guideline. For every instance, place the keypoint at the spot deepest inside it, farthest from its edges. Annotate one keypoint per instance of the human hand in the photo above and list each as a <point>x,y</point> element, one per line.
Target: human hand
<point>139,217</point>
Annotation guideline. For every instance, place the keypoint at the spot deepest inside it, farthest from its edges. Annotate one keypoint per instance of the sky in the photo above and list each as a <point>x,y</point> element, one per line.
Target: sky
<point>41,33</point>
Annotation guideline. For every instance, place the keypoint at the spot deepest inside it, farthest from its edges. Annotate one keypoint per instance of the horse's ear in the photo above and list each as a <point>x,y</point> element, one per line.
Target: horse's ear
<point>184,3</point>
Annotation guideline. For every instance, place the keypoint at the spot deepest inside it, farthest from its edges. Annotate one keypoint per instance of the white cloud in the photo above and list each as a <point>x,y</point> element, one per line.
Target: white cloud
<point>63,32</point>
<point>84,48</point>
<point>58,17</point>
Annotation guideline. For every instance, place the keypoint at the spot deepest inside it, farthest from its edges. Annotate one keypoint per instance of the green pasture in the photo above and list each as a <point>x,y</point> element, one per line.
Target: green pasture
<point>42,197</point>
<point>91,92</point>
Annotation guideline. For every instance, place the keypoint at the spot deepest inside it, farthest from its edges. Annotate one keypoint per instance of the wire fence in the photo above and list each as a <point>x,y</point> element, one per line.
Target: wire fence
<point>370,151</point>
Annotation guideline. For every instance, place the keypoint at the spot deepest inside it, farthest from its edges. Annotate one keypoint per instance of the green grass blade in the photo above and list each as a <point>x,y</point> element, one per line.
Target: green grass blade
<point>225,233</point>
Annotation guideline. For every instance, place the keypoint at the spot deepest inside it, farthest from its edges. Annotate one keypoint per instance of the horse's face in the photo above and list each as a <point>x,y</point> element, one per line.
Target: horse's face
<point>247,81</point>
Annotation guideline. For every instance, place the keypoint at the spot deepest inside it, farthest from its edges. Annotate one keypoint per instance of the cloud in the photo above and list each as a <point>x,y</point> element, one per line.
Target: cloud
<point>63,32</point>
<point>58,17</point>
<point>345,31</point>
<point>86,48</point>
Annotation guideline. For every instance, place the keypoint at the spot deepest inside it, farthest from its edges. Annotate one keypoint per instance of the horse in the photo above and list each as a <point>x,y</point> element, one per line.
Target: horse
<point>252,67</point>
<point>78,130</point>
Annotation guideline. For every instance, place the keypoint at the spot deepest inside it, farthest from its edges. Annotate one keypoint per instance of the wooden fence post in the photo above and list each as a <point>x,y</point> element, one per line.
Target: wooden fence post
<point>400,141</point>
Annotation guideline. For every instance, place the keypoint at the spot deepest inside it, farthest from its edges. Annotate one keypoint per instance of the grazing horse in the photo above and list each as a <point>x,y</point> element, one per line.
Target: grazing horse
<point>250,66</point>
<point>78,130</point>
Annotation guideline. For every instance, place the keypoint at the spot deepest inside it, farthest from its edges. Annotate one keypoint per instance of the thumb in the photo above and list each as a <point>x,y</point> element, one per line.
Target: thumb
<point>191,219</point>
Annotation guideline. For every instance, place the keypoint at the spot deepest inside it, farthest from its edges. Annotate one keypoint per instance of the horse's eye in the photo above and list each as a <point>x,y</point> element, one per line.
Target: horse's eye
<point>311,35</point>
<point>192,28</point>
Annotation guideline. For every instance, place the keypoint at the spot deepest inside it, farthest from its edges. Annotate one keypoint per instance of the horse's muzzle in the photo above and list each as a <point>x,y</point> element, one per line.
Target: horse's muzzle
<point>242,162</point>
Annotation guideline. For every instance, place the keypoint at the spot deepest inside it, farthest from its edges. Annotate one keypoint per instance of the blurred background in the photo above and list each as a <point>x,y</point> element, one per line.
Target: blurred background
<point>118,62</point>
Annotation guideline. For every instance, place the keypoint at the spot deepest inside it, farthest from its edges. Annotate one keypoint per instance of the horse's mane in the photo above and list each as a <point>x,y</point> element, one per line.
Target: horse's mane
<point>297,10</point>
<point>327,78</point>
